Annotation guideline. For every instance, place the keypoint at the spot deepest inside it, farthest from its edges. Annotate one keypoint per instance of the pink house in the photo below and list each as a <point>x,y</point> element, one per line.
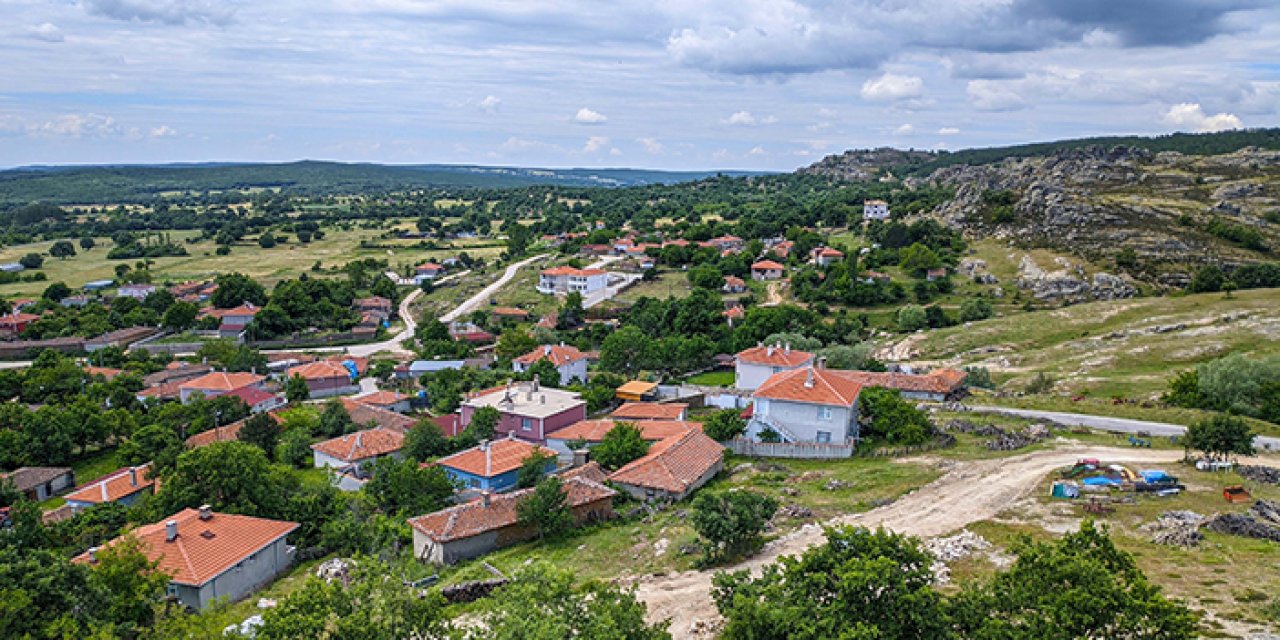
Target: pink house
<point>528,410</point>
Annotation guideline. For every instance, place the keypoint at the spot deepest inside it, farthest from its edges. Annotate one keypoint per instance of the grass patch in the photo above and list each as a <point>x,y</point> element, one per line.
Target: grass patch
<point>713,379</point>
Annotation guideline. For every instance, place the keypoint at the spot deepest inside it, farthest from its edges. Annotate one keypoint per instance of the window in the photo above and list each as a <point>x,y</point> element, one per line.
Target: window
<point>172,590</point>
<point>824,413</point>
<point>526,424</point>
<point>823,437</point>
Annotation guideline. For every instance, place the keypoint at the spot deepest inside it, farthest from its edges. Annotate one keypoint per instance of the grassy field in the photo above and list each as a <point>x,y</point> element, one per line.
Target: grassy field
<point>713,379</point>
<point>668,284</point>
<point>1125,348</point>
<point>267,265</point>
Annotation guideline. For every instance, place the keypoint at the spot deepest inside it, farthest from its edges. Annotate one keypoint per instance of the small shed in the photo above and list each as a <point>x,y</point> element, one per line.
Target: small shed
<point>98,285</point>
<point>637,390</point>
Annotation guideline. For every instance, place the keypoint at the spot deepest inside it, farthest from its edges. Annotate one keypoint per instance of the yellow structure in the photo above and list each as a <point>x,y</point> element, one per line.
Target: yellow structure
<point>636,391</point>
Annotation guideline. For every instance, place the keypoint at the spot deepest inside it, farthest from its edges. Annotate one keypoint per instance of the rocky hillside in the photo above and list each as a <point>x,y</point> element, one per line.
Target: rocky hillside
<point>1151,216</point>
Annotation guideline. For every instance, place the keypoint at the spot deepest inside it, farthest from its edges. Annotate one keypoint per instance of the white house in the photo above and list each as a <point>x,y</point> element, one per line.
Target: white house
<point>826,256</point>
<point>812,404</point>
<point>427,271</point>
<point>136,291</point>
<point>875,210</point>
<point>567,279</point>
<point>755,365</point>
<point>571,363</point>
<point>766,270</point>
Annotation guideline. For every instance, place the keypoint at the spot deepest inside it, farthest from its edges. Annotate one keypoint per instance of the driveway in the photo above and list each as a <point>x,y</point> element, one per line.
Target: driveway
<point>474,302</point>
<point>1107,423</point>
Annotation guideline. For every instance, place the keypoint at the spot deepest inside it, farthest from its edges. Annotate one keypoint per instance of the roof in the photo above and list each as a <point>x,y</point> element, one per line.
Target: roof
<point>936,381</point>
<point>27,478</point>
<point>320,370</point>
<point>252,396</point>
<point>828,252</point>
<point>372,301</point>
<point>494,458</point>
<point>811,385</point>
<point>509,311</point>
<point>735,312</point>
<point>637,387</point>
<point>245,309</point>
<point>775,355</point>
<point>114,486</point>
<point>581,486</point>
<point>162,391</point>
<point>364,414</point>
<point>106,372</point>
<point>571,271</point>
<point>595,430</point>
<point>649,411</point>
<point>17,318</point>
<point>204,549</point>
<point>382,398</point>
<point>362,445</point>
<point>734,281</point>
<point>521,399</point>
<point>558,354</point>
<point>222,381</point>
<point>224,433</point>
<point>767,265</point>
<point>673,465</point>
<point>430,266</point>
<point>449,423</point>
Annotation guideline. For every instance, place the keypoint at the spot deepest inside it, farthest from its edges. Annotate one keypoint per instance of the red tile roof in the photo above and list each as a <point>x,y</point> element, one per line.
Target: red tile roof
<point>106,372</point>
<point>734,281</point>
<point>224,433</point>
<point>164,391</point>
<point>382,398</point>
<point>362,445</point>
<point>365,414</point>
<point>649,411</point>
<point>775,356</point>
<point>811,385</point>
<point>251,396</point>
<point>320,370</point>
<point>571,271</point>
<point>581,487</point>
<point>651,430</point>
<point>767,265</point>
<point>735,312</point>
<point>493,458</point>
<point>430,266</point>
<point>204,549</point>
<point>222,381</point>
<point>118,484</point>
<point>937,381</point>
<point>449,423</point>
<point>673,465</point>
<point>828,252</point>
<point>559,355</point>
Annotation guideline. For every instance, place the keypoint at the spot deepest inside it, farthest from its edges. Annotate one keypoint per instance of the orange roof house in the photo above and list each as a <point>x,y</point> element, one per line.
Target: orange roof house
<point>218,383</point>
<point>492,459</point>
<point>210,555</point>
<point>558,354</point>
<point>325,378</point>
<point>595,430</point>
<point>650,411</point>
<point>125,486</point>
<point>937,385</point>
<point>673,468</point>
<point>775,355</point>
<point>367,414</point>
<point>811,385</point>
<point>358,447</point>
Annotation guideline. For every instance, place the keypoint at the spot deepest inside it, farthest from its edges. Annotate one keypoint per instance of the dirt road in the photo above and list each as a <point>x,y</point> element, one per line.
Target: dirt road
<point>475,301</point>
<point>968,492</point>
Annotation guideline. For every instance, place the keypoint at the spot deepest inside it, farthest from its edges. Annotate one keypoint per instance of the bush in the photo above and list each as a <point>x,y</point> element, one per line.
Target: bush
<point>912,317</point>
<point>724,425</point>
<point>975,309</point>
<point>885,415</point>
<point>731,521</point>
<point>1041,383</point>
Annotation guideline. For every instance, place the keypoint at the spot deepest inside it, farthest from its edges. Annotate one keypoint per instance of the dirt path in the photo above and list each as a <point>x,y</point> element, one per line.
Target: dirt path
<point>969,492</point>
<point>773,295</point>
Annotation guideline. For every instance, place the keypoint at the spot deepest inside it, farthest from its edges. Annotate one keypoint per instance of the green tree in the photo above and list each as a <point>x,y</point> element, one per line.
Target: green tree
<point>87,243</point>
<point>235,289</point>
<point>724,425</point>
<point>1207,279</point>
<point>624,351</point>
<point>294,448</point>
<point>707,277</point>
<point>533,468</point>
<point>296,390</point>
<point>515,342</point>
<point>860,584</point>
<point>571,312</point>
<point>847,356</point>
<point>403,487</point>
<point>56,292</point>
<point>229,476</point>
<point>152,443</point>
<point>622,444</point>
<point>1220,436</point>
<point>912,317</point>
<point>546,509</point>
<point>1080,586</point>
<point>334,420</point>
<point>917,259</point>
<point>180,316</point>
<point>887,416</point>
<point>266,240</point>
<point>262,431</point>
<point>974,309</point>
<point>484,422</point>
<point>425,441</point>
<point>62,249</point>
<point>547,373</point>
<point>131,585</point>
<point>730,522</point>
<point>31,261</point>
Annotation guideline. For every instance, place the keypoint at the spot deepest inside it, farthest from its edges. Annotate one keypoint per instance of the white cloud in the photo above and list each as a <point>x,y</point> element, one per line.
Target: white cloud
<point>746,119</point>
<point>595,144</point>
<point>904,130</point>
<point>589,116</point>
<point>1191,115</point>
<point>891,86</point>
<point>615,152</point>
<point>163,131</point>
<point>650,144</point>
<point>948,131</point>
<point>757,151</point>
<point>518,144</point>
<point>990,95</point>
<point>46,32</point>
<point>75,125</point>
<point>489,104</point>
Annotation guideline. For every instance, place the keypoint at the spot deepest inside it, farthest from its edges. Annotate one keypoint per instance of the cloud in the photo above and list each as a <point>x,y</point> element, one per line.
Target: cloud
<point>489,104</point>
<point>163,131</point>
<point>892,87</point>
<point>757,151</point>
<point>746,119</point>
<point>1134,23</point>
<point>519,144</point>
<point>589,116</point>
<point>171,12</point>
<point>650,144</point>
<point>1191,115</point>
<point>990,95</point>
<point>75,125</point>
<point>948,131</point>
<point>615,152</point>
<point>45,32</point>
<point>904,130</point>
<point>595,144</point>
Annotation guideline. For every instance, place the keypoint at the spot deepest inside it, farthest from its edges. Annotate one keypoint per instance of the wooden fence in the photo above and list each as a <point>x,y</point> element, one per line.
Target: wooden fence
<point>808,450</point>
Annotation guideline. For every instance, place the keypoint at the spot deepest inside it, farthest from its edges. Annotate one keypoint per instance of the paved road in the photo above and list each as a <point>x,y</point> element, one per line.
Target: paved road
<point>474,302</point>
<point>1108,423</point>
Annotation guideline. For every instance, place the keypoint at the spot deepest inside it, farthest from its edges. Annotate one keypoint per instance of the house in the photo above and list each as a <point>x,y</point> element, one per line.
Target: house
<point>651,411</point>
<point>826,256</point>
<point>733,284</point>
<point>119,338</point>
<point>325,378</point>
<point>733,314</point>
<point>493,466</point>
<point>375,304</point>
<point>17,322</point>
<point>935,274</point>
<point>728,243</point>
<point>351,457</point>
<point>594,250</point>
<point>811,404</point>
<point>193,291</point>
<point>569,362</point>
<point>212,556</point>
<point>766,270</point>
<point>233,321</point>
<point>674,468</point>
<point>40,483</point>
<point>417,368</point>
<point>427,271</point>
<point>217,383</point>
<point>450,424</point>
<point>755,365</point>
<point>783,248</point>
<point>259,400</point>
<point>176,372</point>
<point>107,373</point>
<point>125,486</point>
<point>527,410</point>
<point>592,432</point>
<point>568,279</point>
<point>75,301</point>
<point>509,313</point>
<point>938,385</point>
<point>224,433</point>
<point>159,393</point>
<point>138,291</point>
<point>367,415</point>
<point>98,285</point>
<point>386,400</point>
<point>877,277</point>
<point>875,210</point>
<point>490,522</point>
<point>637,390</point>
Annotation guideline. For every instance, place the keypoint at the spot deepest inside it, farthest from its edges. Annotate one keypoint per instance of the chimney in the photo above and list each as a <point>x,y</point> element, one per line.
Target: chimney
<point>170,530</point>
<point>133,476</point>
<point>808,378</point>
<point>769,351</point>
<point>206,512</point>
<point>93,554</point>
<point>544,398</point>
<point>581,457</point>
<point>103,486</point>
<point>484,499</point>
<point>546,349</point>
<point>788,348</point>
<point>822,362</point>
<point>536,381</point>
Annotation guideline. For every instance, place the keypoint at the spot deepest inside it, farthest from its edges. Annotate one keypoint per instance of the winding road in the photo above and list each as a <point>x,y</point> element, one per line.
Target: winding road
<point>472,303</point>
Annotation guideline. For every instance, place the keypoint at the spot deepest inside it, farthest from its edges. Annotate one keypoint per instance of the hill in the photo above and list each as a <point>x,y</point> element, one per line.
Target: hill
<point>137,183</point>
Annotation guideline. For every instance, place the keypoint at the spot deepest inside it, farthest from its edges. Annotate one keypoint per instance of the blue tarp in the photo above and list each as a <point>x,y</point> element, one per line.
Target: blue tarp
<point>351,368</point>
<point>1100,481</point>
<point>1153,475</point>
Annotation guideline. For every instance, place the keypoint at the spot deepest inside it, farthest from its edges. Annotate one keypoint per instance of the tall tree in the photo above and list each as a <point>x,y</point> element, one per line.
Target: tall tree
<point>546,509</point>
<point>1220,436</point>
<point>622,444</point>
<point>731,521</point>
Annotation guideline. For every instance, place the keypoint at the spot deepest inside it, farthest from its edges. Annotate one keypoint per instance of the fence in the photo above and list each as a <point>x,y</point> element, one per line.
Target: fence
<point>941,442</point>
<point>808,450</point>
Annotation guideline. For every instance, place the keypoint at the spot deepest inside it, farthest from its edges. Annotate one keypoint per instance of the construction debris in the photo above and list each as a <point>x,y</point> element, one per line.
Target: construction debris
<point>471,591</point>
<point>796,511</point>
<point>964,426</point>
<point>1266,510</point>
<point>1177,528</point>
<point>1265,475</point>
<point>335,569</point>
<point>1244,525</point>
<point>950,549</point>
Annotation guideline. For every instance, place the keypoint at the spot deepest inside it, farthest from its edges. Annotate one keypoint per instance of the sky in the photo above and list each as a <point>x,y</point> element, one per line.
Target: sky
<point>665,84</point>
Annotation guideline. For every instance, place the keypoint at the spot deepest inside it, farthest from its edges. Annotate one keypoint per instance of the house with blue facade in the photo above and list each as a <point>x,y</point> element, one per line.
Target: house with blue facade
<point>125,486</point>
<point>493,466</point>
